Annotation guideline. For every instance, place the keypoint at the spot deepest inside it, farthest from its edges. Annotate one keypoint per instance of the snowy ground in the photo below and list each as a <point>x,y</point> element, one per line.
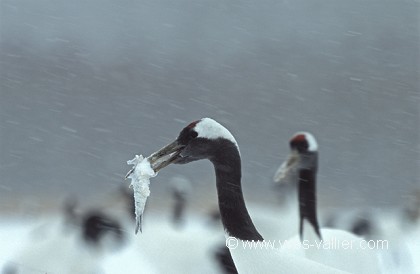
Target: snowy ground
<point>159,249</point>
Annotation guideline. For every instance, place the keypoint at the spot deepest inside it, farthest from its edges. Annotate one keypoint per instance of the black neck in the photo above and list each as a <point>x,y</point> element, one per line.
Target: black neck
<point>233,212</point>
<point>307,199</point>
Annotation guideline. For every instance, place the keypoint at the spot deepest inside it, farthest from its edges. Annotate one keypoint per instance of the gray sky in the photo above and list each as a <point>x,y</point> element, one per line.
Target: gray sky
<point>85,85</point>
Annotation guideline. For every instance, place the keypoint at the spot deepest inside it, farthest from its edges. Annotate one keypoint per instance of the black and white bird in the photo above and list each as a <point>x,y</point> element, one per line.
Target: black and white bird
<point>180,188</point>
<point>207,139</point>
<point>82,239</point>
<point>327,246</point>
<point>301,168</point>
<point>76,243</point>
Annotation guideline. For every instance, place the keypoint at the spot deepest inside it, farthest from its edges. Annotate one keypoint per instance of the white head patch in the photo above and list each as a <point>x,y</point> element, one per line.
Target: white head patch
<point>312,144</point>
<point>210,129</point>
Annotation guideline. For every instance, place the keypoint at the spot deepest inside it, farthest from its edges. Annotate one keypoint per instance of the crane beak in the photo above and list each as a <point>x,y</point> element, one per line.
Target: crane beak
<point>285,172</point>
<point>165,156</point>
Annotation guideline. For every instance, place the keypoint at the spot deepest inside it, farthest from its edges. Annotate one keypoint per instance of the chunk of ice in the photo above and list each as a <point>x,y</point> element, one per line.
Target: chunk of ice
<point>140,180</point>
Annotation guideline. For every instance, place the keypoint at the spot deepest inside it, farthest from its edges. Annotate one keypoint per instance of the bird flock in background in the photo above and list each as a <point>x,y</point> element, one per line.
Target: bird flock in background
<point>100,238</point>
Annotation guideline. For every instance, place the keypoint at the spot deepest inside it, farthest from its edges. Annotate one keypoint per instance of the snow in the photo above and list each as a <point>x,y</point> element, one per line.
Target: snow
<point>351,78</point>
<point>140,180</point>
<point>161,249</point>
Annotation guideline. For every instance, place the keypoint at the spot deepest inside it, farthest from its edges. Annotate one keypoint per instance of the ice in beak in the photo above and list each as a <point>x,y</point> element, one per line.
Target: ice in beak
<point>163,157</point>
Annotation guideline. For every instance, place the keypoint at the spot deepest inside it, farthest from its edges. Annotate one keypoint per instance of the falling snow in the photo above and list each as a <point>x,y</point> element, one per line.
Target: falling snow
<point>83,84</point>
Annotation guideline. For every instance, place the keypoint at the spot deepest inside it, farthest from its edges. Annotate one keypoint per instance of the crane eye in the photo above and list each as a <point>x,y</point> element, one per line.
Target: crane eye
<point>193,134</point>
